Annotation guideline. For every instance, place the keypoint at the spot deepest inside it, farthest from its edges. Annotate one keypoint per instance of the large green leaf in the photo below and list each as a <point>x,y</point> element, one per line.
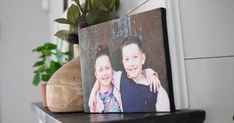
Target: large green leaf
<point>62,34</point>
<point>104,10</point>
<point>98,16</point>
<point>106,5</point>
<point>36,79</point>
<point>91,18</point>
<point>73,14</point>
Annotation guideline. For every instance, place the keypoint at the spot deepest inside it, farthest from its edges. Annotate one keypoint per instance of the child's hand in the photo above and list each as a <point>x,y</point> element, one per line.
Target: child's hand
<point>154,82</point>
<point>92,103</point>
<point>92,97</point>
<point>152,79</point>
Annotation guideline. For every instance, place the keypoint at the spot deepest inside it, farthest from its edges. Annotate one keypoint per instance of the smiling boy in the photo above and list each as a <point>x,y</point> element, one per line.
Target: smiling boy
<point>136,97</point>
<point>134,86</point>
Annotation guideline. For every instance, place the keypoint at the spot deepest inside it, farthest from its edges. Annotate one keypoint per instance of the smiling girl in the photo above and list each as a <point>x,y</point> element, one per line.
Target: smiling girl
<point>108,97</point>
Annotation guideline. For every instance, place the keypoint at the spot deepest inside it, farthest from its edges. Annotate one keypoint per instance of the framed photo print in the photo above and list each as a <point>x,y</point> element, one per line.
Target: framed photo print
<point>125,65</point>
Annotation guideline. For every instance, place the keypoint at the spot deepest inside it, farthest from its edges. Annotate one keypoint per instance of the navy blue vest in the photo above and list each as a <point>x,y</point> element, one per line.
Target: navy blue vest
<point>136,97</point>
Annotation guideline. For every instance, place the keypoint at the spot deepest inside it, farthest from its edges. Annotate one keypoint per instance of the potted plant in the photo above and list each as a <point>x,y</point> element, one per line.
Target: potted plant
<point>51,58</point>
<point>90,13</point>
<point>78,16</point>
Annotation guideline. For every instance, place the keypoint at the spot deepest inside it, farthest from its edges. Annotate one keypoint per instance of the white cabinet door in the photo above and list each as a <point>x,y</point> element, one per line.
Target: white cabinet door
<point>207,27</point>
<point>211,87</point>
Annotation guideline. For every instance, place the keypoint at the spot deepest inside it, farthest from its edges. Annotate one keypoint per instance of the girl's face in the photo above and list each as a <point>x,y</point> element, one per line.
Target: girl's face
<point>133,60</point>
<point>103,70</point>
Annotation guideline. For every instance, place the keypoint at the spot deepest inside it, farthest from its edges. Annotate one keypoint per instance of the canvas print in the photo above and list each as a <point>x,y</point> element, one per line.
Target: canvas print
<point>125,65</point>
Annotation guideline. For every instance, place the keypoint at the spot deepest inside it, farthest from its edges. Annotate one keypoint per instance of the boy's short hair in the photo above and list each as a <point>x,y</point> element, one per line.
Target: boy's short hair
<point>132,40</point>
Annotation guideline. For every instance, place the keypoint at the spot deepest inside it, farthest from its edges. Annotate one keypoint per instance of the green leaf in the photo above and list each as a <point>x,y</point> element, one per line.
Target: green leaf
<point>54,66</point>
<point>112,15</point>
<point>47,49</point>
<point>112,4</point>
<point>79,6</point>
<point>62,34</point>
<point>98,16</point>
<point>36,79</point>
<point>107,5</point>
<point>40,69</point>
<point>68,53</point>
<point>38,49</point>
<point>39,63</point>
<point>45,77</point>
<point>43,57</point>
<point>74,28</point>
<point>117,3</point>
<point>64,21</point>
<point>48,71</point>
<point>50,46</point>
<point>90,5</point>
<point>91,18</point>
<point>73,14</point>
<point>46,52</point>
<point>101,5</point>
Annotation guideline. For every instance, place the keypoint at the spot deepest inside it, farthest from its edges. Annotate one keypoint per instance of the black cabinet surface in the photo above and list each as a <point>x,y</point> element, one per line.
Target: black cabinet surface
<point>181,116</point>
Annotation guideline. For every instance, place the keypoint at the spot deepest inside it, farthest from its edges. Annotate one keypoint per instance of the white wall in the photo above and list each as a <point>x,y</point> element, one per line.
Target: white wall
<point>208,33</point>
<point>56,11</point>
<point>209,26</point>
<point>24,26</point>
<point>210,83</point>
<point>127,7</point>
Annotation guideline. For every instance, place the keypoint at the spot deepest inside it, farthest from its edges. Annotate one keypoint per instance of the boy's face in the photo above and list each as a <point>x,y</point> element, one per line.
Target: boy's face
<point>133,60</point>
<point>103,70</point>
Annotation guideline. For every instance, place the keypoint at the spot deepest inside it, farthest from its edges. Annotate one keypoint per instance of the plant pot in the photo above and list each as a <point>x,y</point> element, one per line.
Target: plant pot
<point>73,38</point>
<point>43,93</point>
